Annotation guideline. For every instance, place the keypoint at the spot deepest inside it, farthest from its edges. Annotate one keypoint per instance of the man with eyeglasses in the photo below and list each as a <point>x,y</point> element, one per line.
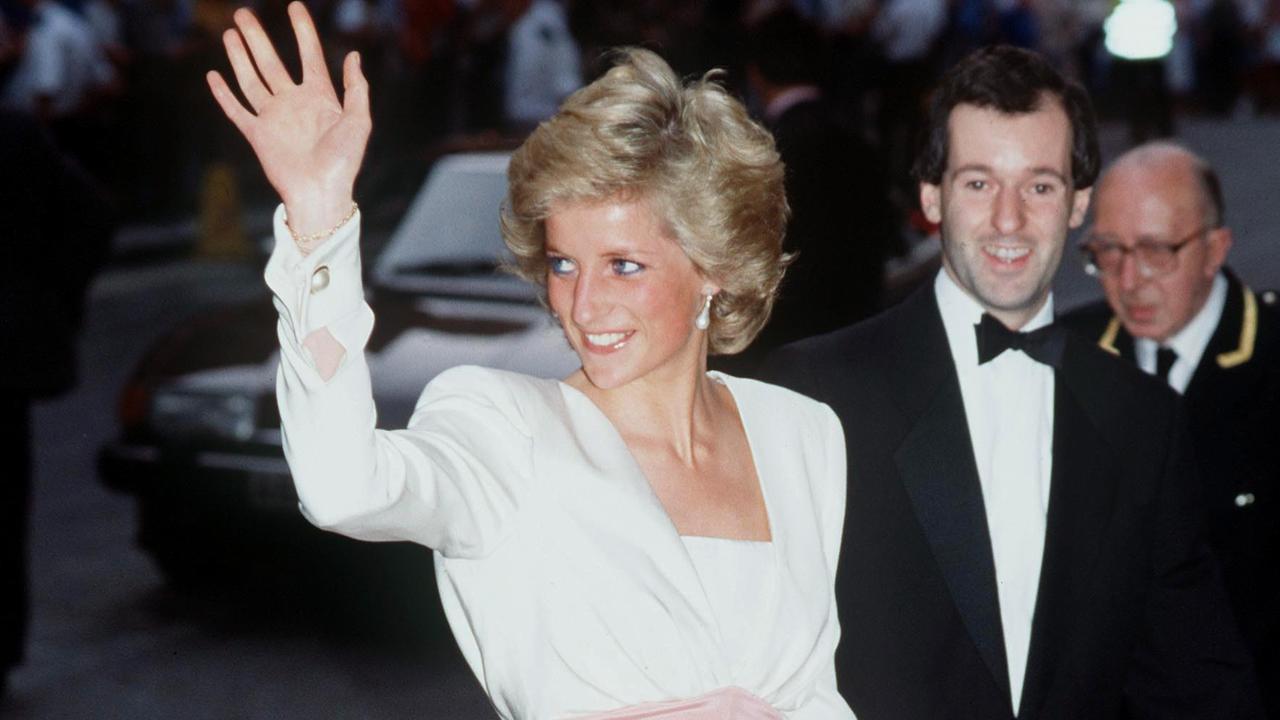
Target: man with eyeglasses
<point>1158,245</point>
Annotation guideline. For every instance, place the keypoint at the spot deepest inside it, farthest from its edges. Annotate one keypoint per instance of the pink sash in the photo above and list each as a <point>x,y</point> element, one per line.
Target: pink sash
<point>730,703</point>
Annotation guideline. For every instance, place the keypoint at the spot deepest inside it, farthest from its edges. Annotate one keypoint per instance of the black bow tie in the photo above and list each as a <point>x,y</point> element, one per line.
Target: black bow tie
<point>1043,345</point>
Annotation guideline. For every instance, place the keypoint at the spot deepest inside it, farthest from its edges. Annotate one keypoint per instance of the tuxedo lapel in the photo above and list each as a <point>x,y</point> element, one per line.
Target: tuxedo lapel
<point>938,470</point>
<point>1081,497</point>
<point>937,467</point>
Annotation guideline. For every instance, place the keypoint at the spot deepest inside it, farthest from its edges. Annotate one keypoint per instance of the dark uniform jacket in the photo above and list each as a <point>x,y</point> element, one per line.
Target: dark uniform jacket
<point>1130,615</point>
<point>1233,409</point>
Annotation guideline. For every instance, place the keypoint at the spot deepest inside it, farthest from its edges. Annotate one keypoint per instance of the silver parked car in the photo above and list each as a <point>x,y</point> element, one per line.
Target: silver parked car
<point>200,447</point>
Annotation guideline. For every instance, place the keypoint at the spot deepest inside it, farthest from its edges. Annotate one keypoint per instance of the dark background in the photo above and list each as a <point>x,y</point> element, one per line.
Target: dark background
<point>109,638</point>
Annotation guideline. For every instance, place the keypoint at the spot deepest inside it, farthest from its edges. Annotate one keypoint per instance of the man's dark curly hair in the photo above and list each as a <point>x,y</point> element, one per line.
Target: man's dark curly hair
<point>1012,81</point>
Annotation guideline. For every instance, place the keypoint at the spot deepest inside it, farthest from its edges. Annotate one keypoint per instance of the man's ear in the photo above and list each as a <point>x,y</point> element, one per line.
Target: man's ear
<point>931,202</point>
<point>1079,206</point>
<point>1220,240</point>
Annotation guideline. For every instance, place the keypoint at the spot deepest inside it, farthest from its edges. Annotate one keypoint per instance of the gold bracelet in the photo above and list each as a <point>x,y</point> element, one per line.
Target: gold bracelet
<point>308,239</point>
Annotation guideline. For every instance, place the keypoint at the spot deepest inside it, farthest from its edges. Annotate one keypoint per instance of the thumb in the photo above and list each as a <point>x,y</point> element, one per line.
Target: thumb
<point>355,95</point>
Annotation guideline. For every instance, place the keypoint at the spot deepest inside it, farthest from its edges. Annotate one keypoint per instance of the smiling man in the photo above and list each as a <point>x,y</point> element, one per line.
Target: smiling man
<point>1021,537</point>
<point>1158,245</point>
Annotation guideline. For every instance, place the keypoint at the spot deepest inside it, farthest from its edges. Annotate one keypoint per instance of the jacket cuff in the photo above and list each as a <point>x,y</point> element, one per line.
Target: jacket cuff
<point>323,289</point>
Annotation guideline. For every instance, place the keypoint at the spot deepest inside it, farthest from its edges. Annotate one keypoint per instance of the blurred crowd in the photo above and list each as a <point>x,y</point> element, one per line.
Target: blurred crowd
<point>119,83</point>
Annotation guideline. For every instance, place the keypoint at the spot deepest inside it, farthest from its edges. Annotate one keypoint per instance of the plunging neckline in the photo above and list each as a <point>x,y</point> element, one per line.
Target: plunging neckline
<point>723,380</point>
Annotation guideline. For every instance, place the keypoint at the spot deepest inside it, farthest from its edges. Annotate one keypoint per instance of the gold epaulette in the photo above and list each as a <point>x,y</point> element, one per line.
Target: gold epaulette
<point>1248,334</point>
<point>1108,340</point>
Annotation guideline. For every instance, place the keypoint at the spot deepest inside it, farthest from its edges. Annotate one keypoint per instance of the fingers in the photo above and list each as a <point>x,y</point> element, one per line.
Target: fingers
<point>314,68</point>
<point>355,89</point>
<point>231,107</point>
<point>250,84</point>
<point>264,54</point>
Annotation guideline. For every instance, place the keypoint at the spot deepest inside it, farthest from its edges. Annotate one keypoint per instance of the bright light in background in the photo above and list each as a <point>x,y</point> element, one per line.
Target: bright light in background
<point>1141,29</point>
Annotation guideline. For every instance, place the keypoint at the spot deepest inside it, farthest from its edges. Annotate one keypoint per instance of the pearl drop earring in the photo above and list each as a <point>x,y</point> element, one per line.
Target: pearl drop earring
<point>703,320</point>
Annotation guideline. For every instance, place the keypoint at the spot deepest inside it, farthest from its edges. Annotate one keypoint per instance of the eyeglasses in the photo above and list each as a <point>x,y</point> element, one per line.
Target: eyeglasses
<point>1104,255</point>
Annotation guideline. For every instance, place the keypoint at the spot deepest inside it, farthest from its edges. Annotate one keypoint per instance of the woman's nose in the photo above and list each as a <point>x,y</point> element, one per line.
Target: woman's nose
<point>588,301</point>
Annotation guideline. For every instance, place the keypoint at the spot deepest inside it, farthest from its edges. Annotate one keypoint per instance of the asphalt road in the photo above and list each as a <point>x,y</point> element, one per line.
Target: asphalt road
<point>111,640</point>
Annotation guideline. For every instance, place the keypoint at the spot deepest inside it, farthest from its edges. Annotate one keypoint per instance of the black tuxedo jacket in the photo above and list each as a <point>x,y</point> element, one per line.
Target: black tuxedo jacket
<point>1130,614</point>
<point>1233,410</point>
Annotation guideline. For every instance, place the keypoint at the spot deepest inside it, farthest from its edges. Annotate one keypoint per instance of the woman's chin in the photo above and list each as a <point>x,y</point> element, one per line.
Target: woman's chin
<point>605,378</point>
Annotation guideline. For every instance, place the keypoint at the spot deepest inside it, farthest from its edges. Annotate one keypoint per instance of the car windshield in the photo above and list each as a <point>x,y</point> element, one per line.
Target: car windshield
<point>451,233</point>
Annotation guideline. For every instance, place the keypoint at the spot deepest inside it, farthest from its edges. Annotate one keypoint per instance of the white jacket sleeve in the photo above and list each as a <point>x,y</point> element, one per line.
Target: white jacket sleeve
<point>836,486</point>
<point>827,702</point>
<point>453,480</point>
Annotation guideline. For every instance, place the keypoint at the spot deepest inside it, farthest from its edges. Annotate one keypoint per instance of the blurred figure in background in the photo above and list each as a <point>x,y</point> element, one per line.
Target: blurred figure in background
<point>419,64</point>
<point>1159,245</point>
<point>1019,23</point>
<point>57,230</point>
<point>104,19</point>
<point>842,225</point>
<point>909,34</point>
<point>1139,37</point>
<point>61,78</point>
<point>543,65</point>
<point>10,48</point>
<point>161,36</point>
<point>1223,50</point>
<point>61,69</point>
<point>1266,76</point>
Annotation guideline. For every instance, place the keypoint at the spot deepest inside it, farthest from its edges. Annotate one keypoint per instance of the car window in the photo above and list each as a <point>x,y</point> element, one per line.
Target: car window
<point>451,228</point>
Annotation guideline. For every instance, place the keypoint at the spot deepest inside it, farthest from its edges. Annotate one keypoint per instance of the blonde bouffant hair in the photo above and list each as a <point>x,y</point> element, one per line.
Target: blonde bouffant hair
<point>709,172</point>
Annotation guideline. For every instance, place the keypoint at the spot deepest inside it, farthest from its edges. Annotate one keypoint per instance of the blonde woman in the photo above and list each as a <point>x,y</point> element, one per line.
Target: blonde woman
<point>643,538</point>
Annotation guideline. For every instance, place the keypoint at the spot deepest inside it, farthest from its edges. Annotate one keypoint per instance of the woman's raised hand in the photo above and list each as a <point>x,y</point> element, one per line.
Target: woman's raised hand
<point>309,143</point>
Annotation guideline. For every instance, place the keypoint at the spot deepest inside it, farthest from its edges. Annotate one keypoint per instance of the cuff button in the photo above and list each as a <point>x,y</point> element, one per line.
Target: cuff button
<point>320,279</point>
<point>1244,500</point>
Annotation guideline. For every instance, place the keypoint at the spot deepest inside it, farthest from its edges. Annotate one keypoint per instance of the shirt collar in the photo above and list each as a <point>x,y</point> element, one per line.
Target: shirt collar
<point>1191,341</point>
<point>960,312</point>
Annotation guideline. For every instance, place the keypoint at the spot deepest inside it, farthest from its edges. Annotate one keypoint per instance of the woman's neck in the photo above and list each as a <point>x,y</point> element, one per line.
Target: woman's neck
<point>675,409</point>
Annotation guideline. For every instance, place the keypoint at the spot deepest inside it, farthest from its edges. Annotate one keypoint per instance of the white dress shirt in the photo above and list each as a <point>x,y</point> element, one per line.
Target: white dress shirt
<point>564,581</point>
<point>1189,342</point>
<point>1008,404</point>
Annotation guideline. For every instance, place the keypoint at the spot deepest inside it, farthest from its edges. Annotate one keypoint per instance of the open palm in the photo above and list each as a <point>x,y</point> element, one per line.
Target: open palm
<point>308,142</point>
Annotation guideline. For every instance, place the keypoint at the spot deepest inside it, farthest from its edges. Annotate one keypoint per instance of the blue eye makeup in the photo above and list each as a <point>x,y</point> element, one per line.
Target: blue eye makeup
<point>627,267</point>
<point>559,265</point>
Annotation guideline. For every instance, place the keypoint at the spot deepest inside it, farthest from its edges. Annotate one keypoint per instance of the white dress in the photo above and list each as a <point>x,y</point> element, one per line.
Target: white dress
<point>563,579</point>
